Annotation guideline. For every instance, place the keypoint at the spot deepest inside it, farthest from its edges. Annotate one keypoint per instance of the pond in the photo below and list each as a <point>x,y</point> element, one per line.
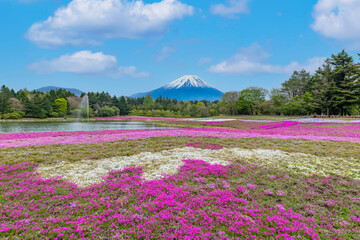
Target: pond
<point>17,127</point>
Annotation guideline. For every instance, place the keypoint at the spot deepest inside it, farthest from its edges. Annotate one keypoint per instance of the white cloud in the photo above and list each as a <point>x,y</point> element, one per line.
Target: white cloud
<point>88,22</point>
<point>253,60</point>
<point>86,63</point>
<point>165,52</point>
<point>337,19</point>
<point>312,64</point>
<point>234,7</point>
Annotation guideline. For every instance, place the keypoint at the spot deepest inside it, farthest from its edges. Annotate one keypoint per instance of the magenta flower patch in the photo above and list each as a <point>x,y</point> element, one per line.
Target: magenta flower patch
<point>287,130</point>
<point>202,201</point>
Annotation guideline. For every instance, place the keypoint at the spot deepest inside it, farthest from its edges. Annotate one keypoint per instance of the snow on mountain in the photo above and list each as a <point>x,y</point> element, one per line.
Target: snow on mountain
<point>186,88</point>
<point>187,81</point>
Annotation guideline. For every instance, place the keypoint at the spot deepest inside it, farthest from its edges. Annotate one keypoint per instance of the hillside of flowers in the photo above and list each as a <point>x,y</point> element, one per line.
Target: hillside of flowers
<point>201,201</point>
<point>283,130</point>
<point>237,180</point>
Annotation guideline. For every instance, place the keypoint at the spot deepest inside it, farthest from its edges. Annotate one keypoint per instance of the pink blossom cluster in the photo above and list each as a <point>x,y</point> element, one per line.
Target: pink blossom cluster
<point>239,123</point>
<point>278,125</point>
<point>205,145</point>
<point>310,131</point>
<point>200,202</point>
<point>314,131</point>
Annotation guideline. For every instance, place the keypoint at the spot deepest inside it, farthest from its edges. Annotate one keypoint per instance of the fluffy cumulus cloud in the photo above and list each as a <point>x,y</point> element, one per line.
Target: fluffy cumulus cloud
<point>88,22</point>
<point>86,63</point>
<point>231,9</point>
<point>337,19</point>
<point>253,60</point>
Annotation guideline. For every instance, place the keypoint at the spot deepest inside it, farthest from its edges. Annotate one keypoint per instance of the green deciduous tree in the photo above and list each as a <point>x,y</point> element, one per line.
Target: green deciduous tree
<point>229,103</point>
<point>294,107</point>
<point>250,100</point>
<point>109,111</point>
<point>60,106</point>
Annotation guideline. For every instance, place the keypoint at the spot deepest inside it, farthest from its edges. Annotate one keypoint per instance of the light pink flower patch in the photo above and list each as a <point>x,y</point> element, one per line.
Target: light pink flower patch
<point>286,130</point>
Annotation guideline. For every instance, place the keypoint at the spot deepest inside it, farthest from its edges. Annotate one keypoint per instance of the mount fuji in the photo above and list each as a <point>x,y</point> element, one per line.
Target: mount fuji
<point>186,88</point>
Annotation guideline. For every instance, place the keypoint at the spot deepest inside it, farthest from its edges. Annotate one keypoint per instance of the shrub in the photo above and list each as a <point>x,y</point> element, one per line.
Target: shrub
<point>109,111</point>
<point>15,115</point>
<point>54,114</point>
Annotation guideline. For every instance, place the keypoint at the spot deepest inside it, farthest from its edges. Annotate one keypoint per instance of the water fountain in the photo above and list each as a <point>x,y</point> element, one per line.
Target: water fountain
<point>84,108</point>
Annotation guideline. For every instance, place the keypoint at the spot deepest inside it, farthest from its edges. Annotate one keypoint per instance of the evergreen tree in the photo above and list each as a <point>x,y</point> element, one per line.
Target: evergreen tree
<point>148,102</point>
<point>321,87</point>
<point>5,95</point>
<point>295,86</point>
<point>115,102</point>
<point>123,106</point>
<point>104,99</point>
<point>47,104</point>
<point>36,107</point>
<point>344,78</point>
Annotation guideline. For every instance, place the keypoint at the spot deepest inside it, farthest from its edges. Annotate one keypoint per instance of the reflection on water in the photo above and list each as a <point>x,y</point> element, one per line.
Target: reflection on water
<point>17,127</point>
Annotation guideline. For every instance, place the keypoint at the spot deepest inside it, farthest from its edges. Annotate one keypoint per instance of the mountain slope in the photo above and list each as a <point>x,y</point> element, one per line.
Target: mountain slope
<point>75,91</point>
<point>186,88</point>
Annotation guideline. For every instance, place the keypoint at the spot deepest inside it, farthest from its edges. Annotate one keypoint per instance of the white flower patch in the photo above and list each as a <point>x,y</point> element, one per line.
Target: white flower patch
<point>299,162</point>
<point>87,172</point>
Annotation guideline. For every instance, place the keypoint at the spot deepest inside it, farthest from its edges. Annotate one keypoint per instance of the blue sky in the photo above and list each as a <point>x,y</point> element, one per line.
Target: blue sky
<point>124,47</point>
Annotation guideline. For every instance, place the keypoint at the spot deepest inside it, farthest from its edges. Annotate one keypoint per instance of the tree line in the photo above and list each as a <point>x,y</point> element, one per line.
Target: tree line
<point>62,103</point>
<point>334,89</point>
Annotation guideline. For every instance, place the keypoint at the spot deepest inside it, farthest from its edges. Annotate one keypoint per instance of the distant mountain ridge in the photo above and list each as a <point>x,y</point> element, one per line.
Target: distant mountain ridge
<point>186,88</point>
<point>75,91</point>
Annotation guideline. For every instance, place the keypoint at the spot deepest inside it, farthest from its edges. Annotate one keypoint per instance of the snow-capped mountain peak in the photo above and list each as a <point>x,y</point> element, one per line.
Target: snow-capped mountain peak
<point>186,88</point>
<point>187,81</point>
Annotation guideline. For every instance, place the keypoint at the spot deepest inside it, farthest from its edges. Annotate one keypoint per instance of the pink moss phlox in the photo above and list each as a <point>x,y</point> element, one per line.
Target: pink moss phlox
<point>286,130</point>
<point>278,125</point>
<point>336,123</point>
<point>125,205</point>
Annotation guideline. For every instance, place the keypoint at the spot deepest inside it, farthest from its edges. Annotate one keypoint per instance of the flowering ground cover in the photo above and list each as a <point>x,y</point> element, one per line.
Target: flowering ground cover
<point>348,132</point>
<point>48,154</point>
<point>282,130</point>
<point>264,181</point>
<point>234,124</point>
<point>87,172</point>
<point>201,201</point>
